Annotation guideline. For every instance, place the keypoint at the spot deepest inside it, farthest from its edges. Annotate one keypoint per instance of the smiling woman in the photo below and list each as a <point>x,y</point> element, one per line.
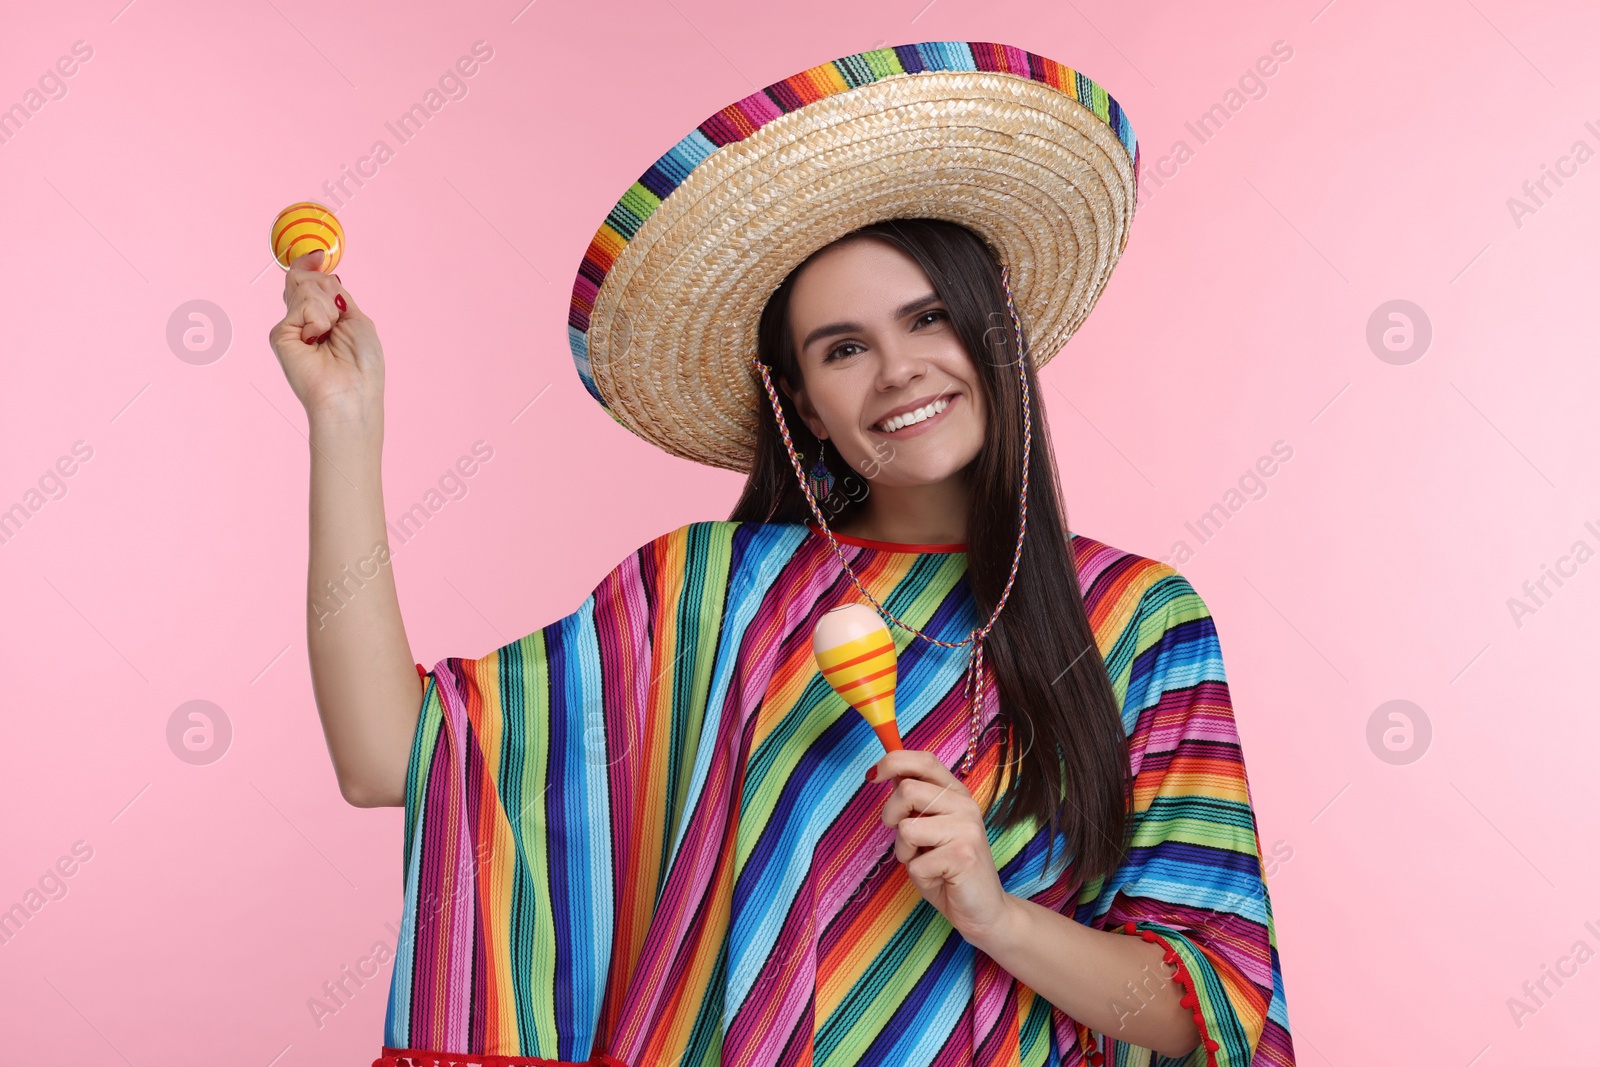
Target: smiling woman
<point>650,831</point>
<point>887,321</point>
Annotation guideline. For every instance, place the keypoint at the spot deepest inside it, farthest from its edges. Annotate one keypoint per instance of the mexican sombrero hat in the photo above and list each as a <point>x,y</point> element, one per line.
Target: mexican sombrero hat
<point>1032,155</point>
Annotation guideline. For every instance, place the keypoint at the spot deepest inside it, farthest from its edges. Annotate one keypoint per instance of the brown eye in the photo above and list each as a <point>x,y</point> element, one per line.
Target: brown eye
<point>836,350</point>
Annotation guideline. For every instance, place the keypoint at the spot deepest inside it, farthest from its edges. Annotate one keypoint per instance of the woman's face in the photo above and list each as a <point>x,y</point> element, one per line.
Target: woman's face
<point>875,342</point>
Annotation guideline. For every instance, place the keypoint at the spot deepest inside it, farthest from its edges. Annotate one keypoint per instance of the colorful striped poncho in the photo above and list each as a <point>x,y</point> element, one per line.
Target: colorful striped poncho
<point>643,831</point>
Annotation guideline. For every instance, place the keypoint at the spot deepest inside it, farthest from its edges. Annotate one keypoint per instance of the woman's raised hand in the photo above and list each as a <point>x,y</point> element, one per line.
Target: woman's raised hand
<point>328,349</point>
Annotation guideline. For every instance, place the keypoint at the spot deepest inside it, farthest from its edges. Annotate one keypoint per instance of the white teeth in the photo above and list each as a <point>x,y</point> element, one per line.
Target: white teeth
<point>911,418</point>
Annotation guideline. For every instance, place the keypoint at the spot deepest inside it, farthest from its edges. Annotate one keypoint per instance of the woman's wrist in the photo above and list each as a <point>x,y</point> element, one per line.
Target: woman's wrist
<point>346,425</point>
<point>352,446</point>
<point>995,938</point>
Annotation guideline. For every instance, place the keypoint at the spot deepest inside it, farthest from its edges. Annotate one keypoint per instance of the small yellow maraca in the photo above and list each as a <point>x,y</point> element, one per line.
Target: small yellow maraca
<point>856,655</point>
<point>305,227</point>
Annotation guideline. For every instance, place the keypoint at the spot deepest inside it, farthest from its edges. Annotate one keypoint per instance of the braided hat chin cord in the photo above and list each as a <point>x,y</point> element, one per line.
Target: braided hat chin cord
<point>974,678</point>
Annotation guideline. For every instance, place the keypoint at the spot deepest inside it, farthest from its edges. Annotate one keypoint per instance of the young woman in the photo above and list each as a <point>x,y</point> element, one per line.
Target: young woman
<point>649,832</point>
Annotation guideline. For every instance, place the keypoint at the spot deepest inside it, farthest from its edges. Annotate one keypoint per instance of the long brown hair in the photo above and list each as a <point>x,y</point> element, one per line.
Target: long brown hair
<point>1055,695</point>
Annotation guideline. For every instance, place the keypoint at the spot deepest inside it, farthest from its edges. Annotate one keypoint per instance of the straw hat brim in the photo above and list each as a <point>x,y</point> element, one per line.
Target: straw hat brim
<point>1045,181</point>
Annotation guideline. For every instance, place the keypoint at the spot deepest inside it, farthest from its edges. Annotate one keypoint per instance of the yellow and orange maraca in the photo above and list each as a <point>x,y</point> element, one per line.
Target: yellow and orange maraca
<point>303,228</point>
<point>856,655</point>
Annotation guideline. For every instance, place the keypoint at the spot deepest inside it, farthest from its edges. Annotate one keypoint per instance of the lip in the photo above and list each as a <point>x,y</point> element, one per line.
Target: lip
<point>922,427</point>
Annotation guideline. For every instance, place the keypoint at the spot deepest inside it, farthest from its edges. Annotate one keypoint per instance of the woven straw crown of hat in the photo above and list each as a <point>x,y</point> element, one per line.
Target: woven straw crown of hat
<point>1033,156</point>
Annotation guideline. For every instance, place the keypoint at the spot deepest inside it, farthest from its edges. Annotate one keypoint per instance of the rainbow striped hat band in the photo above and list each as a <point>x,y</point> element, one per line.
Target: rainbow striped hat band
<point>1032,155</point>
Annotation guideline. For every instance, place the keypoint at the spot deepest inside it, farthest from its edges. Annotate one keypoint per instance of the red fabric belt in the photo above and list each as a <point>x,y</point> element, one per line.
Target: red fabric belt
<point>417,1057</point>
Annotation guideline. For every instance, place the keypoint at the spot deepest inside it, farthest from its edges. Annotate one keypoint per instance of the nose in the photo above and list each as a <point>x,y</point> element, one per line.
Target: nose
<point>899,365</point>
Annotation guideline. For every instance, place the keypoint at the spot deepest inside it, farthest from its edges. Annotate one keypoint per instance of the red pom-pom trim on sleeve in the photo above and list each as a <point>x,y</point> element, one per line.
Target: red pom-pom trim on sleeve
<point>1190,998</point>
<point>422,672</point>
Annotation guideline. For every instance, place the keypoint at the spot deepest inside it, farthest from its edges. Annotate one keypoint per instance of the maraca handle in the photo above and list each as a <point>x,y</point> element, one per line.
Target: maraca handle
<point>889,734</point>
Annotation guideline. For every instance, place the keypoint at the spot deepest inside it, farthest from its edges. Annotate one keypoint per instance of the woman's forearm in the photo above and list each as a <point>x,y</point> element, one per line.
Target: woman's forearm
<point>367,690</point>
<point>1110,982</point>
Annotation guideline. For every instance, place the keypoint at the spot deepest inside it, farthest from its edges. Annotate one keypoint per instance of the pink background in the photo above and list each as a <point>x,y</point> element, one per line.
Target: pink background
<point>1412,900</point>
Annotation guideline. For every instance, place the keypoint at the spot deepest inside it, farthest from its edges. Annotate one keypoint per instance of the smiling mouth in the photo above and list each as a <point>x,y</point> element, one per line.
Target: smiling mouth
<point>931,410</point>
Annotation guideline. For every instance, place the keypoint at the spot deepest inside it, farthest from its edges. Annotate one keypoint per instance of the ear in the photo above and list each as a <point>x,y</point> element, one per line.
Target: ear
<point>807,413</point>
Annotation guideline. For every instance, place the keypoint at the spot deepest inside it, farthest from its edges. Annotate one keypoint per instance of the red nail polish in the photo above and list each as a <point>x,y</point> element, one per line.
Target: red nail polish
<point>338,302</point>
<point>872,773</point>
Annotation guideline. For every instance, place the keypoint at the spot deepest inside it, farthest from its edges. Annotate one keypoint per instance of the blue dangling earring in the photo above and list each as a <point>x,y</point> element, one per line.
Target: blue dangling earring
<point>820,478</point>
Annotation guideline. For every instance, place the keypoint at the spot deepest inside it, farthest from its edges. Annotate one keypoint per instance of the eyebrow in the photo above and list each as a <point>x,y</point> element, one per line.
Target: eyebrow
<point>835,328</point>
